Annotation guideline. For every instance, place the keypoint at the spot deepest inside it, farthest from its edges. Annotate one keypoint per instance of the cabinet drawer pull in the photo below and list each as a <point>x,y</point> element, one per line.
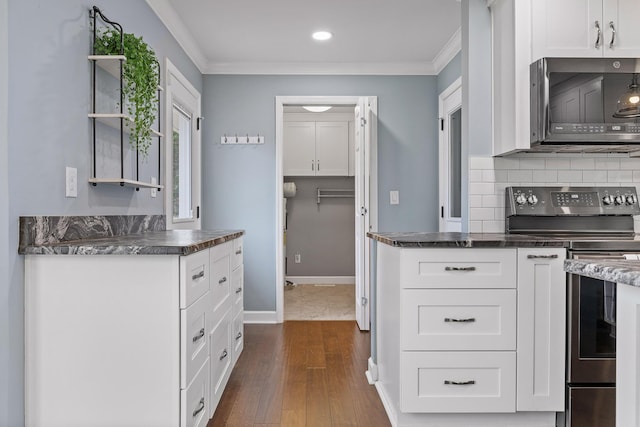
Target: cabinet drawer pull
<point>613,34</point>
<point>238,290</point>
<point>221,281</point>
<point>224,354</point>
<point>238,336</point>
<point>599,34</point>
<point>200,408</point>
<point>197,276</point>
<point>459,269</point>
<point>239,251</point>
<point>199,336</point>
<point>312,166</point>
<point>470,382</point>
<point>554,256</point>
<point>451,320</point>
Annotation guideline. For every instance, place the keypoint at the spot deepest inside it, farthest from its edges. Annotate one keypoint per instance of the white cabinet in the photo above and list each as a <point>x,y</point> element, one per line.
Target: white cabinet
<point>627,355</point>
<point>137,339</point>
<point>316,149</point>
<point>579,28</point>
<point>541,329</point>
<point>471,331</point>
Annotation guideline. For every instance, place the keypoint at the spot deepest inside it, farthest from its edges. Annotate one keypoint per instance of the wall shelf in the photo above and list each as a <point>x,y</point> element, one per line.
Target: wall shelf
<point>125,183</point>
<point>113,120</point>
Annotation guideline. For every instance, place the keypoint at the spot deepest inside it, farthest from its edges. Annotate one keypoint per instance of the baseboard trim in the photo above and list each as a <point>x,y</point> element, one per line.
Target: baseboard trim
<point>266,317</point>
<point>322,280</point>
<point>391,413</point>
<point>372,371</point>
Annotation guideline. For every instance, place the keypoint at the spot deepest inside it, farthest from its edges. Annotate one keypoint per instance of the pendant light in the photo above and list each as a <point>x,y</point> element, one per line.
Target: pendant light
<point>628,106</point>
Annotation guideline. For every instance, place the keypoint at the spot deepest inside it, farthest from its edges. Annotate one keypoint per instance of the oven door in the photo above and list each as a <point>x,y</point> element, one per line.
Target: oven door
<point>592,334</point>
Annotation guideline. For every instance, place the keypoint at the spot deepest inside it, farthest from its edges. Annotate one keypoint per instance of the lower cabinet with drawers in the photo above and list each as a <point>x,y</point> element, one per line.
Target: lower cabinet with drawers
<point>471,336</point>
<point>131,340</point>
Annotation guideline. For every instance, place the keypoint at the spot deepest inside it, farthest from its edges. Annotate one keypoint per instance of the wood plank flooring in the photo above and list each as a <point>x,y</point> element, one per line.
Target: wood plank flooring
<point>301,373</point>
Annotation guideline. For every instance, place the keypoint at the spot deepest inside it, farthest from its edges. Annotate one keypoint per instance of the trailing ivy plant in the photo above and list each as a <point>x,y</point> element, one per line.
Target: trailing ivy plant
<point>141,76</point>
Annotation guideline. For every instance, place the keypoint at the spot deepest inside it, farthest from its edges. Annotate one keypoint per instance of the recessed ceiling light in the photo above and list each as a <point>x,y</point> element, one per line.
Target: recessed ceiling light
<point>322,35</point>
<point>316,108</point>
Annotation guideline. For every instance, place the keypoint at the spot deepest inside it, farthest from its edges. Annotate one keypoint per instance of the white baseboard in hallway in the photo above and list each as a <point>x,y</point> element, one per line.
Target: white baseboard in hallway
<point>322,280</point>
<point>266,317</point>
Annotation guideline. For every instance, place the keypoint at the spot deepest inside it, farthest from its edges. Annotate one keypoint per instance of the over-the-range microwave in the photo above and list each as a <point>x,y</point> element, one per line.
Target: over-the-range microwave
<point>585,101</point>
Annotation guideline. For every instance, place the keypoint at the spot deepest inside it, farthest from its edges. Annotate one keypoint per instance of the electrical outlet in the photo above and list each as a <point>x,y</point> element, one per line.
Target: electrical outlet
<point>154,191</point>
<point>297,259</point>
<point>71,182</point>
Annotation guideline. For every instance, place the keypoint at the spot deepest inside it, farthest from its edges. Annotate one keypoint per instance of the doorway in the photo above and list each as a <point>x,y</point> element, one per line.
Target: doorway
<point>363,189</point>
<point>450,157</point>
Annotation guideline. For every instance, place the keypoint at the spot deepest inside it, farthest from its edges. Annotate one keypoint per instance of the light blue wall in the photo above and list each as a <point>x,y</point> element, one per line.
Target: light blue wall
<point>49,95</point>
<point>450,73</point>
<point>239,182</point>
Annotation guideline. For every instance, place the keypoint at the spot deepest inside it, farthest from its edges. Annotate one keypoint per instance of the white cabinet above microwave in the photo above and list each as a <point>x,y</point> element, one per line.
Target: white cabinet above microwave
<point>585,28</point>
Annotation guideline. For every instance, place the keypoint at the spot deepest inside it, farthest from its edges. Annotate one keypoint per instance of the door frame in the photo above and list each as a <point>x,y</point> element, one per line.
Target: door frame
<point>443,156</point>
<point>281,101</point>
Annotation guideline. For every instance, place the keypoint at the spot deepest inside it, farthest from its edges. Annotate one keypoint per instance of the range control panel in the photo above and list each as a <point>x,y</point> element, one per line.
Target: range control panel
<point>554,201</point>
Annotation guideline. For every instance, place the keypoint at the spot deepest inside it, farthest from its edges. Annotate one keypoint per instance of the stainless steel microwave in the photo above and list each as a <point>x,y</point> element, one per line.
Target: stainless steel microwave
<point>585,101</point>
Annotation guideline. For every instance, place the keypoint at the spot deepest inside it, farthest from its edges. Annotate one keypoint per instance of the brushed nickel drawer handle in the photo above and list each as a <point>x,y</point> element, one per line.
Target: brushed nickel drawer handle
<point>238,290</point>
<point>224,354</point>
<point>459,269</point>
<point>451,320</point>
<point>470,382</point>
<point>221,281</point>
<point>613,35</point>
<point>197,276</point>
<point>238,336</point>
<point>599,34</point>
<point>239,251</point>
<point>554,256</point>
<point>199,336</point>
<point>200,408</point>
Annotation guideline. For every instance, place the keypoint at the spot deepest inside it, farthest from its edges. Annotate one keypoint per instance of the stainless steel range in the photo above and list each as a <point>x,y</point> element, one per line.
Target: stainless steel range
<point>598,223</point>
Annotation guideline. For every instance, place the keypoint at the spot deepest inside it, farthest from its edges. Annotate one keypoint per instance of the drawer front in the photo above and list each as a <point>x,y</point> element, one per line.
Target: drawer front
<point>238,336</point>
<point>458,382</point>
<point>458,268</point>
<point>237,287</point>
<point>194,348</point>
<point>458,319</point>
<point>194,401</point>
<point>194,277</point>
<point>220,275</point>
<point>238,251</point>
<point>221,359</point>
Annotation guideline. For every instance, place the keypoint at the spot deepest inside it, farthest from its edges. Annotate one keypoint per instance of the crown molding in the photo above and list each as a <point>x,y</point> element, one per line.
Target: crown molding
<point>167,14</point>
<point>448,51</point>
<point>322,68</point>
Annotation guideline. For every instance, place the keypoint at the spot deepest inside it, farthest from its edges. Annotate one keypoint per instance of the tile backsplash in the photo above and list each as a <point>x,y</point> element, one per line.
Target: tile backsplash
<point>489,176</point>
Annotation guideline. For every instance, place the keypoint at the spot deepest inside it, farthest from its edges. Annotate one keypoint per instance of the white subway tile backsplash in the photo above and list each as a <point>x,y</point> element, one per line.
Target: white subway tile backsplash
<point>582,163</point>
<point>492,201</point>
<point>532,163</point>
<point>521,176</point>
<point>566,176</point>
<point>493,226</point>
<point>475,175</point>
<point>481,162</point>
<point>545,176</point>
<point>620,176</point>
<point>630,164</point>
<point>475,226</point>
<point>481,188</point>
<point>475,201</point>
<point>481,214</point>
<point>636,176</point>
<point>507,163</point>
<point>502,176</point>
<point>558,164</point>
<point>489,175</point>
<point>595,176</point>
<point>607,163</point>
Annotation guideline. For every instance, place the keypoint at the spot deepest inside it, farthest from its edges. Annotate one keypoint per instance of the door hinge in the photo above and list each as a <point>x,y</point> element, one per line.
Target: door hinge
<point>363,211</point>
<point>364,301</point>
<point>441,124</point>
<point>198,212</point>
<point>198,121</point>
<point>363,121</point>
<point>441,211</point>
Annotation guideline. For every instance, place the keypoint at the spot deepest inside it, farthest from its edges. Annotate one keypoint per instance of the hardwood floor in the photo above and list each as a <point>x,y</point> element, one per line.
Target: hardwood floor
<point>301,373</point>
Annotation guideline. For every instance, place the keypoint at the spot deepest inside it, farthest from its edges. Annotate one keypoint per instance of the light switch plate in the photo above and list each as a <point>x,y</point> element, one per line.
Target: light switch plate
<point>394,197</point>
<point>71,182</point>
<point>154,191</point>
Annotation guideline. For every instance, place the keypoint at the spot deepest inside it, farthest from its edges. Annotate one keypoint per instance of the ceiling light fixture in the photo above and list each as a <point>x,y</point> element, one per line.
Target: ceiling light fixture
<point>317,108</point>
<point>321,35</point>
<point>629,103</point>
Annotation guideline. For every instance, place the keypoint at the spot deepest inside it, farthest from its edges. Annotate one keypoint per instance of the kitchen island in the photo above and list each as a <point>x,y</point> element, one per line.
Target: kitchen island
<point>626,274</point>
<point>465,328</point>
<point>127,323</point>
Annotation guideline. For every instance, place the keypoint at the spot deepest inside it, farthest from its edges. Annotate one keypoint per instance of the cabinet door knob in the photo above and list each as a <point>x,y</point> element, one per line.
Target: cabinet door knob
<point>200,408</point>
<point>599,34</point>
<point>199,336</point>
<point>197,276</point>
<point>459,269</point>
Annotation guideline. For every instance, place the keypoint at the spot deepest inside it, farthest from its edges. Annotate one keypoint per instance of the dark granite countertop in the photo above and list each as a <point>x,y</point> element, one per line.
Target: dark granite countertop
<point>464,240</point>
<point>619,271</point>
<point>171,242</point>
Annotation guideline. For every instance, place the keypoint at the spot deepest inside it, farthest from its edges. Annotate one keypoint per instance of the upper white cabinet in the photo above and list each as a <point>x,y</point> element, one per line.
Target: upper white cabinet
<point>579,28</point>
<point>316,148</point>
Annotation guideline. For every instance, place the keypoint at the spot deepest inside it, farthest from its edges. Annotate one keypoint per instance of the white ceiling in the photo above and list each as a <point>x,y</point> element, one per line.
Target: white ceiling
<point>274,36</point>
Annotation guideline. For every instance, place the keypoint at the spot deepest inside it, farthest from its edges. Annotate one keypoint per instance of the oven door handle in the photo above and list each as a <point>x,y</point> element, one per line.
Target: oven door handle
<point>601,256</point>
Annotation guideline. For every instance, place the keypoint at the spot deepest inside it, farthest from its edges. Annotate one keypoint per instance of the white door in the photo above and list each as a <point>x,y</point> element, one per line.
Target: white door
<point>365,142</point>
<point>182,153</point>
<point>450,158</point>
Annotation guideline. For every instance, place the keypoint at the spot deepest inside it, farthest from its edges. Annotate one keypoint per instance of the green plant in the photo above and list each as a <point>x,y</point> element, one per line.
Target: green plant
<point>141,76</point>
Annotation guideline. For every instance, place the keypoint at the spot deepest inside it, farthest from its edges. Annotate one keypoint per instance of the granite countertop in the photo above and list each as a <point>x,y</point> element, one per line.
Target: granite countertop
<point>626,272</point>
<point>464,240</point>
<point>170,242</point>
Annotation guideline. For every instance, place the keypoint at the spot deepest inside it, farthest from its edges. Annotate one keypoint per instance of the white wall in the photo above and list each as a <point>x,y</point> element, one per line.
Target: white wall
<point>488,178</point>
